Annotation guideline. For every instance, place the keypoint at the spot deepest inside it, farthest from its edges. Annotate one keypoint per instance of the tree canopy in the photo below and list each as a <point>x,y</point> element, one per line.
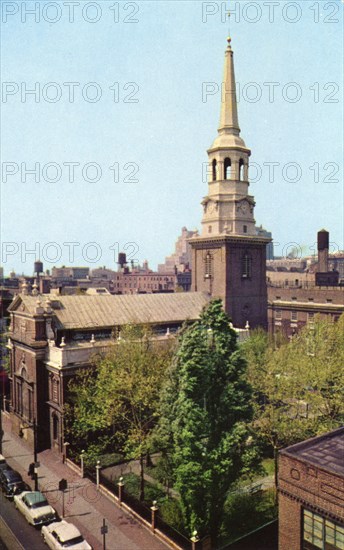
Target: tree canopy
<point>205,409</point>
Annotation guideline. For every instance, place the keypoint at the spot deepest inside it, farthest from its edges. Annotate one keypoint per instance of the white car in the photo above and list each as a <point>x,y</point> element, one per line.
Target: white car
<point>62,534</point>
<point>35,507</point>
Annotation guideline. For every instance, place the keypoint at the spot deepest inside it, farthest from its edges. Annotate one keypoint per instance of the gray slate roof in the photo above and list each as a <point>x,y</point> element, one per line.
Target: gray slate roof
<point>326,451</point>
<point>76,312</point>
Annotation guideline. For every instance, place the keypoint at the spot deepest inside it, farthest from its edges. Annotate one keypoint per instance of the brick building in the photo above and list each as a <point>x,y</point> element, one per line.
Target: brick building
<point>294,300</point>
<point>311,494</point>
<point>51,337</point>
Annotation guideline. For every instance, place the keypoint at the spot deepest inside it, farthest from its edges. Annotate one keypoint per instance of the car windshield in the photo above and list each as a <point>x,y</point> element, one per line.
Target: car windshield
<point>39,504</point>
<point>71,542</point>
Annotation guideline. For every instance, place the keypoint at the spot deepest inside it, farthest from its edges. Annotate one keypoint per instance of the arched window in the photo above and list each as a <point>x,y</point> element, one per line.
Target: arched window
<point>241,170</point>
<point>227,168</point>
<point>246,266</point>
<point>55,426</point>
<point>208,261</point>
<point>214,166</point>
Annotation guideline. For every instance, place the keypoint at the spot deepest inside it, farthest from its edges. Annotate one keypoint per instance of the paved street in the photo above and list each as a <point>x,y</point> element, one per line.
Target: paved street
<point>84,505</point>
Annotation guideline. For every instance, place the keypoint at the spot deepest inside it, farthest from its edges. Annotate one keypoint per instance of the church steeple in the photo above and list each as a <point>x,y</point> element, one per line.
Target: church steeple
<point>228,209</point>
<point>229,258</point>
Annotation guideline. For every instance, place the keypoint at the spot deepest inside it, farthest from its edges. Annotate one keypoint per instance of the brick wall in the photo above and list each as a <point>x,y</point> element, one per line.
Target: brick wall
<point>301,484</point>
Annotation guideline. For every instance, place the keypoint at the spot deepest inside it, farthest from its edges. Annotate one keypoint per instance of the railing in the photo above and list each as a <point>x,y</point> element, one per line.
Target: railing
<point>141,509</point>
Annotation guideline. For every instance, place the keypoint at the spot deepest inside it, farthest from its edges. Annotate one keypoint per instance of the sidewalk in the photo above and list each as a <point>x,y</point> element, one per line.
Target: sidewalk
<point>84,505</point>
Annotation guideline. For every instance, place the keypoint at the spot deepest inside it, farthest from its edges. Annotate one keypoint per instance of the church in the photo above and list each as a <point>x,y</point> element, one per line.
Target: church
<point>51,336</point>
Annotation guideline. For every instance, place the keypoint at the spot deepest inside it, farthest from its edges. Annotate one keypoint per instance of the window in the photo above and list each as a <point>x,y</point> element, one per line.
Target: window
<point>329,300</point>
<point>311,299</point>
<point>55,391</point>
<point>246,266</point>
<point>208,266</point>
<point>214,168</point>
<point>278,314</point>
<point>294,298</point>
<point>55,426</point>
<point>209,229</point>
<point>245,228</point>
<point>321,533</point>
<point>293,316</point>
<point>241,170</point>
<point>310,316</point>
<point>227,169</point>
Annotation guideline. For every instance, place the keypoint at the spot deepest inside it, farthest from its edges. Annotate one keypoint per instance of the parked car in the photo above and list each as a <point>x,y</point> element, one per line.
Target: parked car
<point>12,483</point>
<point>62,534</point>
<point>3,464</point>
<point>34,507</point>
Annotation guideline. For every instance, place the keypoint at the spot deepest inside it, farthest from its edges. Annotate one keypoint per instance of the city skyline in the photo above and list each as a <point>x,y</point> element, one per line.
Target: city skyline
<point>161,140</point>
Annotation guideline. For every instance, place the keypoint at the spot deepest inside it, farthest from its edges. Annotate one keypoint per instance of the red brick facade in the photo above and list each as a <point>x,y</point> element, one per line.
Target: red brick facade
<point>233,269</point>
<point>317,488</point>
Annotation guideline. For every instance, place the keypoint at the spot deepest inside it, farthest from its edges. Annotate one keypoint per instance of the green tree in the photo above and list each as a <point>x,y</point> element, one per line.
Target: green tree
<point>122,394</point>
<point>205,406</point>
<point>297,387</point>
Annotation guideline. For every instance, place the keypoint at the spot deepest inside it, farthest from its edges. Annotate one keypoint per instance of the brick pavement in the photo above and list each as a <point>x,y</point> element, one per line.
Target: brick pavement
<point>84,505</point>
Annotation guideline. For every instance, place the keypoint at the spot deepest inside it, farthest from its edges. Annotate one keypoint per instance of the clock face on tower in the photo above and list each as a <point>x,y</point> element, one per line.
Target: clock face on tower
<point>211,207</point>
<point>243,207</point>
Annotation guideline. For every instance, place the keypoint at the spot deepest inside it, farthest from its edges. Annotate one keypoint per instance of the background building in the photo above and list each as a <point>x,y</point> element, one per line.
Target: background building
<point>297,294</point>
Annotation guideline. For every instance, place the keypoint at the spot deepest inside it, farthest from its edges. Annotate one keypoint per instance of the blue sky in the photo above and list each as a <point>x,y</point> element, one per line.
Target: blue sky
<point>154,127</point>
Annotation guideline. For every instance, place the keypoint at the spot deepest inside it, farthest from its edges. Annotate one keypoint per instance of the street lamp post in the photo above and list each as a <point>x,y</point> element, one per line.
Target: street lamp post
<point>35,464</point>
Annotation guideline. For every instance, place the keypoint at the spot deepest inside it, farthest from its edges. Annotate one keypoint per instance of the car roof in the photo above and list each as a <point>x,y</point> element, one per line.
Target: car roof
<point>66,531</point>
<point>12,475</point>
<point>33,497</point>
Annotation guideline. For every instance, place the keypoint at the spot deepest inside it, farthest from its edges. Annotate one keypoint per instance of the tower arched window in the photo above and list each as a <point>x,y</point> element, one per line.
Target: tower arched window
<point>241,169</point>
<point>214,170</point>
<point>227,168</point>
<point>208,265</point>
<point>246,266</point>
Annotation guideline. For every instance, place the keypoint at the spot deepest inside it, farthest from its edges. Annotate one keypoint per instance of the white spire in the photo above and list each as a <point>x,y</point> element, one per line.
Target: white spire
<point>229,130</point>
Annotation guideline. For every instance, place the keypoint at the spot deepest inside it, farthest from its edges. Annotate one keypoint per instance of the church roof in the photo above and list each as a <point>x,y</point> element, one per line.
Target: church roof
<point>87,311</point>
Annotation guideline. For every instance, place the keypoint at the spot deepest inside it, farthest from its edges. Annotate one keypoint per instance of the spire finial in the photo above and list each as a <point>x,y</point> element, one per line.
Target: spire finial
<point>229,40</point>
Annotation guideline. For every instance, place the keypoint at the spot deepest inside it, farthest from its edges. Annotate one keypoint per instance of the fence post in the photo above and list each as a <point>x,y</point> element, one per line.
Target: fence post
<point>194,540</point>
<point>154,510</point>
<point>82,463</point>
<point>120,489</point>
<point>98,466</point>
